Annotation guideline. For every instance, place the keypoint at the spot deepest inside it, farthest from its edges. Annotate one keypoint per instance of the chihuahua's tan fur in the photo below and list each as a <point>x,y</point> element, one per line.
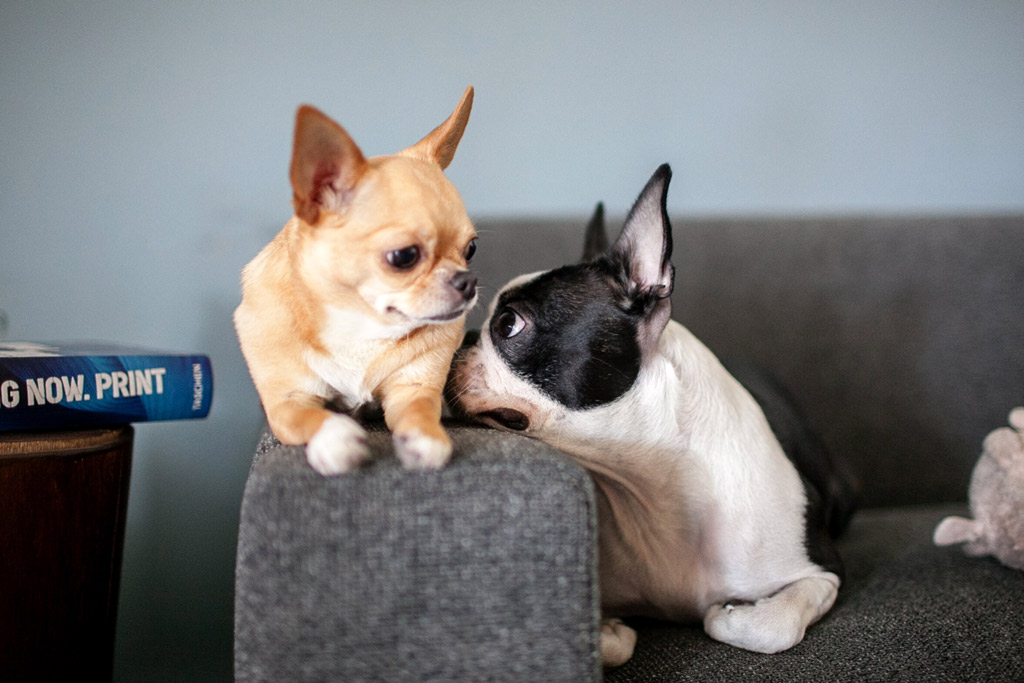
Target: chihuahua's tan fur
<point>361,298</point>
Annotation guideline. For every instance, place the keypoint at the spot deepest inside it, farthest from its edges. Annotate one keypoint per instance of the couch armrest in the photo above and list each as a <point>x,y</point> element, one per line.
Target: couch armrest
<point>485,570</point>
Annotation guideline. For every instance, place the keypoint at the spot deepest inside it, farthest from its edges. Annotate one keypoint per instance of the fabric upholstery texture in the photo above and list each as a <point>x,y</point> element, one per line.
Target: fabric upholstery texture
<point>391,575</point>
<point>901,338</point>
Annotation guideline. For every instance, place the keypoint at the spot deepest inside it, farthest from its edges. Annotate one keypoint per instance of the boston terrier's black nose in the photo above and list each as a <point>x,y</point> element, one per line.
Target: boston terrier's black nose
<point>464,282</point>
<point>471,338</point>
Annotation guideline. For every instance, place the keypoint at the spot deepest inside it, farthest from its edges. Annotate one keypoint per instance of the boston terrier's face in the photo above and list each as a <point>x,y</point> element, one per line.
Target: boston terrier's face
<point>574,338</point>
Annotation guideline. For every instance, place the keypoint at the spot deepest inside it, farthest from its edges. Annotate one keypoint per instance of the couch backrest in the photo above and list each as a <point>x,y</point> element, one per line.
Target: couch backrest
<point>902,338</point>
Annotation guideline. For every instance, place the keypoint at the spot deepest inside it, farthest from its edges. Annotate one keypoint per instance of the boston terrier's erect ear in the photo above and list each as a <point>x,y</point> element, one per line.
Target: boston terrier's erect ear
<point>595,243</point>
<point>642,254</point>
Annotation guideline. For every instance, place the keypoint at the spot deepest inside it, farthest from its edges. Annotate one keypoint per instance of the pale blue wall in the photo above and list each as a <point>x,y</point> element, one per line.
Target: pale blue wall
<point>144,151</point>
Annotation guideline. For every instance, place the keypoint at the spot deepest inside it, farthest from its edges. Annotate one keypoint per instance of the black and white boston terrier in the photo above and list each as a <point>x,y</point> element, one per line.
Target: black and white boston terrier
<point>715,502</point>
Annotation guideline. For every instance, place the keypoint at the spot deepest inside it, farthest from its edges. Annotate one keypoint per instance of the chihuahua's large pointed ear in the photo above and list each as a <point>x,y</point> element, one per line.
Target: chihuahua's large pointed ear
<point>439,144</point>
<point>643,251</point>
<point>595,242</point>
<point>326,165</point>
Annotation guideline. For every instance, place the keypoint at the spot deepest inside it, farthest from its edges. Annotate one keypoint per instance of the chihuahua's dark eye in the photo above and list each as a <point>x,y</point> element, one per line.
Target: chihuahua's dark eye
<point>509,324</point>
<point>470,250</point>
<point>403,259</point>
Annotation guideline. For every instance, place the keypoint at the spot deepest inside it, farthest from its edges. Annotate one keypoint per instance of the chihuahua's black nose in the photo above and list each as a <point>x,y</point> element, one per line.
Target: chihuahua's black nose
<point>464,283</point>
<point>471,338</point>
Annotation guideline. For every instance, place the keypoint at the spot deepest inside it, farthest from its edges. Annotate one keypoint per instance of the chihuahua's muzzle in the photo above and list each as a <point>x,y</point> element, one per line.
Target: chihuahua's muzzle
<point>461,295</point>
<point>464,282</point>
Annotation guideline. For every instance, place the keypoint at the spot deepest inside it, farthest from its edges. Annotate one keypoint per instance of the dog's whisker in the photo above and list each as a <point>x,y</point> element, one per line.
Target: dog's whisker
<point>610,366</point>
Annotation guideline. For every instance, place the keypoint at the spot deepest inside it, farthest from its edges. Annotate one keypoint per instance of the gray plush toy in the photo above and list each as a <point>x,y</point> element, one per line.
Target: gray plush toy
<point>997,500</point>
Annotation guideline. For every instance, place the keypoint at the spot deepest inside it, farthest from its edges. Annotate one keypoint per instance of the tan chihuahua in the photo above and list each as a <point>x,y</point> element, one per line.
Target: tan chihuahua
<point>360,301</point>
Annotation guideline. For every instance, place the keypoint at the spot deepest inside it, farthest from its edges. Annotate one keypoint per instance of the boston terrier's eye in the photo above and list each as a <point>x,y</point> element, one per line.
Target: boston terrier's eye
<point>470,250</point>
<point>509,324</point>
<point>403,259</point>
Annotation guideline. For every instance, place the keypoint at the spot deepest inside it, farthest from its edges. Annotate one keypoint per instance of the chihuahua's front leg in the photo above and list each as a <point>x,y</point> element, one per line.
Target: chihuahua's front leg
<point>413,414</point>
<point>335,443</point>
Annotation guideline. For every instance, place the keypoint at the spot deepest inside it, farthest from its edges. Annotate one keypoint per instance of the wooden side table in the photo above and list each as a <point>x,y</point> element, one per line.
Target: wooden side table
<point>63,502</point>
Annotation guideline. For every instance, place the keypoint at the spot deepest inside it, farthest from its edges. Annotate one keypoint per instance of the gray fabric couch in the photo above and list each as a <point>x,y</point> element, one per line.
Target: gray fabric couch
<point>903,340</point>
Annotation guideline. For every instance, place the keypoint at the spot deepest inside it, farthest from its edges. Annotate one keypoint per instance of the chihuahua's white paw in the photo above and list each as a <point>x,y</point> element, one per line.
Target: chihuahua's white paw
<point>617,642</point>
<point>420,452</point>
<point>339,446</point>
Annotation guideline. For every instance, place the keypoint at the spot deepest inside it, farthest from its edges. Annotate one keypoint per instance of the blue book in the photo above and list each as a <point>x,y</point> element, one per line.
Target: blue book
<point>89,384</point>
